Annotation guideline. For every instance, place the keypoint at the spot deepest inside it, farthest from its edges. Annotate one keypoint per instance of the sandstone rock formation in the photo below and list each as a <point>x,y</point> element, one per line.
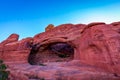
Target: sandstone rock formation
<point>89,52</point>
<point>49,27</point>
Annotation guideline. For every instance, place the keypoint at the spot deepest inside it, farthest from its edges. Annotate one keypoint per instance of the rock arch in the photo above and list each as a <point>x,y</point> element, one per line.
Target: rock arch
<point>56,51</point>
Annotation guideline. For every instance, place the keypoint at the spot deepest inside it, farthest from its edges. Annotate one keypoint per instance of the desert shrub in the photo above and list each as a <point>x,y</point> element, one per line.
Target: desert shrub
<point>3,72</point>
<point>63,55</point>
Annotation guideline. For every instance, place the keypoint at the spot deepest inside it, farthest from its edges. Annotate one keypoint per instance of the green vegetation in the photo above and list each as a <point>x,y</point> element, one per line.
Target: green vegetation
<point>63,55</point>
<point>3,72</point>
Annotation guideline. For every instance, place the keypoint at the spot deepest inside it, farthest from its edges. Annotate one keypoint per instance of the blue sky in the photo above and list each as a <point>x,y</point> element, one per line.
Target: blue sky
<point>30,17</point>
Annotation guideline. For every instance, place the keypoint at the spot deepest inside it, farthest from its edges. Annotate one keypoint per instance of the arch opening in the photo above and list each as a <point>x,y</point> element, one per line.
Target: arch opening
<point>53,52</point>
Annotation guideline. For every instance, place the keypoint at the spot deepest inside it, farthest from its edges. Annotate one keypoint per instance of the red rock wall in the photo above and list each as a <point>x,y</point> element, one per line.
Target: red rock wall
<point>96,44</point>
<point>99,45</point>
<point>14,51</point>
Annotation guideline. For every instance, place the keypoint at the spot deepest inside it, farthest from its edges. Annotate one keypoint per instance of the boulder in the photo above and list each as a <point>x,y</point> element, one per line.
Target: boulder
<point>11,38</point>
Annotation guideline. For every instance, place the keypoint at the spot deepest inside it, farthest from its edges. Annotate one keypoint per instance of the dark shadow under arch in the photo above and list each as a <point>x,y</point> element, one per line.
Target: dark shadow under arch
<point>53,52</point>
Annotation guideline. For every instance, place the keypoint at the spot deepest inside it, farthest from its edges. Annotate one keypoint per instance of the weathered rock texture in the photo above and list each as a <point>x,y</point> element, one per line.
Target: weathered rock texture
<point>68,51</point>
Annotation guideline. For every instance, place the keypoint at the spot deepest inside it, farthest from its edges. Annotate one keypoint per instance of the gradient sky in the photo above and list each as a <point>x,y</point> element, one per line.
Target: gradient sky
<point>30,17</point>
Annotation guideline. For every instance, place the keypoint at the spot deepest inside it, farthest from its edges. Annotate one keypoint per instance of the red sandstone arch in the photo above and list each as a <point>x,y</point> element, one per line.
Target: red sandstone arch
<point>44,54</point>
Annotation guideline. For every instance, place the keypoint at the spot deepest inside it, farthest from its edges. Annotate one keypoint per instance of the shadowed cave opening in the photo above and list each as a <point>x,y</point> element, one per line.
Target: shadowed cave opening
<point>53,52</point>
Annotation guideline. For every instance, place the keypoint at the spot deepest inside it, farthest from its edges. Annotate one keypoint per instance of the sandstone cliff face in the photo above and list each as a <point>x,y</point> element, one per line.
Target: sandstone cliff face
<point>95,44</point>
<point>12,50</point>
